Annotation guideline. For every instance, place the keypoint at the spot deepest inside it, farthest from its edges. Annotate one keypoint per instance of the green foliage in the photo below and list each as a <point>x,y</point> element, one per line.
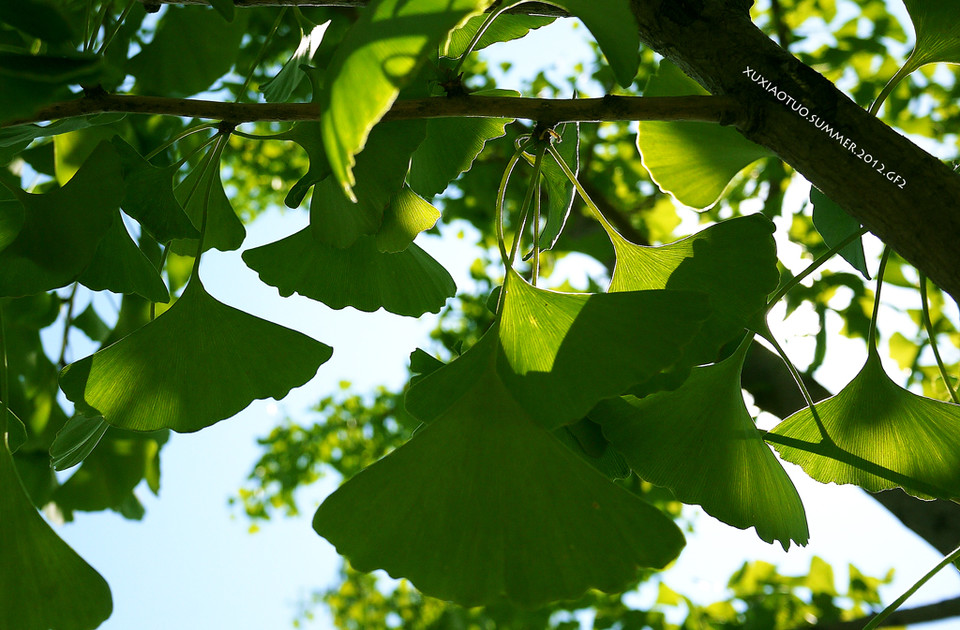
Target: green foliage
<point>529,489</point>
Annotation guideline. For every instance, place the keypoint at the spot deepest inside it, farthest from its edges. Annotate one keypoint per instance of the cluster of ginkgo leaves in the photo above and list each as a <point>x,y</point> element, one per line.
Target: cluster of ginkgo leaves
<point>508,491</point>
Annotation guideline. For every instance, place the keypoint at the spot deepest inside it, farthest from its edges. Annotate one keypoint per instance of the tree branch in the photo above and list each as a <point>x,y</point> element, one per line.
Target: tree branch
<point>703,108</point>
<point>914,211</point>
<point>529,8</point>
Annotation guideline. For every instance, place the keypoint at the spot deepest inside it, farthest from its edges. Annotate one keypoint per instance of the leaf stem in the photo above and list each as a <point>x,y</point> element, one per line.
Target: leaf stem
<point>932,335</point>
<point>591,206</point>
<point>876,621</point>
<point>108,39</point>
<point>261,54</point>
<point>872,335</point>
<point>816,264</point>
<point>488,20</point>
<point>798,378</point>
<point>535,272</point>
<point>67,324</point>
<point>501,195</point>
<point>180,136</point>
<point>528,198</point>
<point>901,74</point>
<point>214,165</point>
<point>163,261</point>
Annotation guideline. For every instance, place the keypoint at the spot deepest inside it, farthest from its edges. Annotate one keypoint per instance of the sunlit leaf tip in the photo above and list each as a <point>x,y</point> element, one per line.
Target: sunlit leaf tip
<point>196,364</point>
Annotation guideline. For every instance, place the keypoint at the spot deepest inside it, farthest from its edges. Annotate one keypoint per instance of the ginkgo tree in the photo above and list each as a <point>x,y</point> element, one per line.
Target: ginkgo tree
<point>126,161</point>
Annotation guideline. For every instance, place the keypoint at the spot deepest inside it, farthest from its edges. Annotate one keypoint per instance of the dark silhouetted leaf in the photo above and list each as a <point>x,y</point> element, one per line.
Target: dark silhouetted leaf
<point>307,135</point>
<point>560,190</point>
<point>224,229</point>
<point>406,216</point>
<point>119,266</point>
<point>834,225</point>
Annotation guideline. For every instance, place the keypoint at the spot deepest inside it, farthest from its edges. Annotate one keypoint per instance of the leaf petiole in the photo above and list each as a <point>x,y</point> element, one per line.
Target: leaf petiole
<point>816,264</point>
<point>931,334</point>
<point>594,210</point>
<point>479,34</point>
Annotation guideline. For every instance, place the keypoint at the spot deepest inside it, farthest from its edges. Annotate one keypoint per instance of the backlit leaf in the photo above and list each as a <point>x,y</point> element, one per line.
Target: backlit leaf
<point>119,266</point>
<point>560,190</point>
<point>483,505</point>
<point>196,364</point>
<point>563,352</point>
<point>224,229</point>
<point>834,225</point>
<point>505,27</point>
<point>44,583</point>
<point>149,196</point>
<point>380,171</point>
<point>203,45</point>
<point>307,135</point>
<point>281,87</point>
<point>700,441</point>
<point>693,161</point>
<point>880,436</point>
<point>62,228</point>
<point>734,262</point>
<point>378,56</point>
<point>406,283</point>
<point>407,215</point>
<point>77,439</point>
<point>938,32</point>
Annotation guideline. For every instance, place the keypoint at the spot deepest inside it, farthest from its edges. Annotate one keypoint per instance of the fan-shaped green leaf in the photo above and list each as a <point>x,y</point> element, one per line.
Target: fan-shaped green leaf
<point>281,87</point>
<point>560,190</point>
<point>149,196</point>
<point>44,583</point>
<point>880,436</point>
<point>693,161</point>
<point>405,216</point>
<point>505,27</point>
<point>406,283</point>
<point>734,262</point>
<point>90,323</point>
<point>77,439</point>
<point>484,505</point>
<point>62,228</point>
<point>198,363</point>
<point>938,32</point>
<point>380,171</point>
<point>725,466</point>
<point>450,147</point>
<point>307,135</point>
<point>164,68</point>
<point>615,28</point>
<point>11,221</point>
<point>378,56</point>
<point>834,225</point>
<point>224,229</point>
<point>119,266</point>
<point>563,352</point>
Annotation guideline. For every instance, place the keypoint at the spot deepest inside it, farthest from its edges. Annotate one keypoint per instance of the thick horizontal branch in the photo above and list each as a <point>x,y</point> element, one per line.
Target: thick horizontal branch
<point>527,8</point>
<point>702,108</point>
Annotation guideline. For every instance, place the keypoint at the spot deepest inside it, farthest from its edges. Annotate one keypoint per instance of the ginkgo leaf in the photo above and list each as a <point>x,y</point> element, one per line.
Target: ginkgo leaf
<point>29,81</point>
<point>11,221</point>
<point>77,439</point>
<point>563,352</point>
<point>483,505</point>
<point>405,216</point>
<point>377,57</point>
<point>450,147</point>
<point>224,7</point>
<point>212,42</point>
<point>406,283</point>
<point>615,28</point>
<point>119,266</point>
<point>880,436</point>
<point>307,135</point>
<point>224,230</point>
<point>43,20</point>
<point>16,432</point>
<point>62,229</point>
<point>149,197</point>
<point>44,583</point>
<point>198,363</point>
<point>504,28</point>
<point>281,87</point>
<point>726,468</point>
<point>734,262</point>
<point>560,190</point>
<point>380,171</point>
<point>693,161</point>
<point>938,32</point>
<point>834,225</point>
